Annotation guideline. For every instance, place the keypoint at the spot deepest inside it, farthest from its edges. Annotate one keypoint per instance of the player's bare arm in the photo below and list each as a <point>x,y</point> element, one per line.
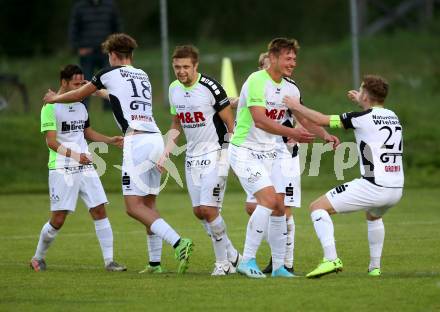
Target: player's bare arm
<point>295,106</point>
<point>95,136</point>
<point>264,123</point>
<point>319,131</point>
<point>170,144</point>
<point>53,144</point>
<point>228,118</point>
<point>71,96</point>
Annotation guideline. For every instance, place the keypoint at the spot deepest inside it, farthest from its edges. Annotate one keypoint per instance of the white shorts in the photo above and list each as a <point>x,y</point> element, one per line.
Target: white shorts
<point>67,183</point>
<point>361,194</point>
<point>286,179</point>
<point>252,168</point>
<point>140,175</point>
<point>206,179</point>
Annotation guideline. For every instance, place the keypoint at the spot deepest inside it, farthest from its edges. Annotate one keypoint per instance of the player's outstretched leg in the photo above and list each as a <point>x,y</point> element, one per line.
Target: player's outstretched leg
<point>324,230</point>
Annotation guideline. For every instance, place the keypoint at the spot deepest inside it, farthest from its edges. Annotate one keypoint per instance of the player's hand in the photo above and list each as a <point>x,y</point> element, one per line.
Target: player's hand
<point>353,95</point>
<point>301,135</point>
<point>161,162</point>
<point>85,159</point>
<point>291,102</point>
<point>117,141</point>
<point>50,96</point>
<point>334,139</point>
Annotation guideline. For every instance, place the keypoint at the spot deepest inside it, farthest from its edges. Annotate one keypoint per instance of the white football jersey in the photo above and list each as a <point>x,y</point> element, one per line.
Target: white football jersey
<point>130,95</point>
<point>379,140</point>
<point>197,108</point>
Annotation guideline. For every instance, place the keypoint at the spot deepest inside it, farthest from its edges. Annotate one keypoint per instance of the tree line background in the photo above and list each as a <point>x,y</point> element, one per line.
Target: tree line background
<point>41,26</point>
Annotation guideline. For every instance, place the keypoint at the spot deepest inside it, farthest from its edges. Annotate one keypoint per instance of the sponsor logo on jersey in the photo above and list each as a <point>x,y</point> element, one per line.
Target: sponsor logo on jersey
<point>392,168</point>
<point>385,120</point>
<point>72,126</point>
<point>140,105</point>
<point>135,75</point>
<point>191,117</point>
<point>198,163</point>
<point>142,118</point>
<point>264,155</point>
<point>276,114</point>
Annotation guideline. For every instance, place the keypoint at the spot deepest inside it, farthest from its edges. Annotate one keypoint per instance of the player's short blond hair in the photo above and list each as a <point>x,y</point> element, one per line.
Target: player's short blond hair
<point>376,87</point>
<point>263,56</point>
<point>121,44</point>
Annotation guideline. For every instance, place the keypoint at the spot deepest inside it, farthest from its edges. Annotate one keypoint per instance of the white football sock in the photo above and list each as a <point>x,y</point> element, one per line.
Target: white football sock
<point>218,230</point>
<point>376,236</point>
<point>324,230</point>
<point>154,245</point>
<point>290,244</point>
<point>164,231</point>
<point>47,235</point>
<point>256,228</point>
<point>205,224</point>
<point>277,236</point>
<point>231,251</point>
<point>104,233</point>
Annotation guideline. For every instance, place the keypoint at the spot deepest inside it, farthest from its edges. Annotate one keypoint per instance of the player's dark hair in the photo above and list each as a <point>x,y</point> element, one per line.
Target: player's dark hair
<point>186,51</point>
<point>376,87</point>
<point>121,44</point>
<point>279,44</point>
<point>69,71</point>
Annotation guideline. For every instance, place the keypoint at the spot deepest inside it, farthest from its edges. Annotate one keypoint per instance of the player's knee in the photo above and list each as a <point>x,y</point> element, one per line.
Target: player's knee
<point>58,221</point>
<point>98,213</point>
<point>269,202</point>
<point>250,207</point>
<point>314,205</point>
<point>132,209</point>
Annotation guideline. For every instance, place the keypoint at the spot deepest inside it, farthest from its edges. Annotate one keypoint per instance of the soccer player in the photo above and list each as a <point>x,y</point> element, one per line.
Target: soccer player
<point>200,106</point>
<point>252,153</point>
<point>378,134</point>
<point>130,95</point>
<point>71,172</point>
<point>286,171</point>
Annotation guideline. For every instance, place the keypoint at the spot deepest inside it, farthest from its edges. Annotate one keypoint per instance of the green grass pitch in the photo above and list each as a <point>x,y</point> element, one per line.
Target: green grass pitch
<point>76,280</point>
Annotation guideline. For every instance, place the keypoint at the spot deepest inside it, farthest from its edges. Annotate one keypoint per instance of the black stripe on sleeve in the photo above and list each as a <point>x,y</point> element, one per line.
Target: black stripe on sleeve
<point>96,79</point>
<point>217,91</point>
<point>346,118</point>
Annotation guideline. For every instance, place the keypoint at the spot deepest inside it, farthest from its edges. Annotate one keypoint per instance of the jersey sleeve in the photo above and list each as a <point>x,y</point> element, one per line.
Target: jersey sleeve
<point>48,120</point>
<point>255,92</point>
<point>221,100</point>
<point>350,120</point>
<point>170,96</point>
<point>97,79</point>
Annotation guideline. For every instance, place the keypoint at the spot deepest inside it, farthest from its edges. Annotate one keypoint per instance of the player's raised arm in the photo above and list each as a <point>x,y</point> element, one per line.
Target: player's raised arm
<point>296,107</point>
<point>71,96</point>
